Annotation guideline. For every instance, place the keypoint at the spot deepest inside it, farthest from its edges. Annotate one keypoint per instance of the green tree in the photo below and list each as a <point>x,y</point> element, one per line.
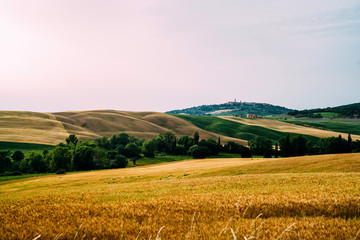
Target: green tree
<point>149,148</point>
<point>119,162</point>
<point>123,139</point>
<point>232,147</point>
<point>45,153</point>
<point>101,158</point>
<point>72,141</point>
<point>133,152</point>
<point>83,158</point>
<point>103,142</point>
<point>37,162</point>
<point>18,156</point>
<point>169,141</point>
<point>211,145</point>
<point>5,161</point>
<point>333,145</point>
<point>285,146</point>
<point>61,158</point>
<point>186,141</point>
<point>199,152</point>
<point>299,146</point>
<point>276,154</point>
<point>24,166</point>
<point>136,140</point>
<point>180,150</point>
<point>261,146</point>
<point>349,144</point>
<point>196,138</point>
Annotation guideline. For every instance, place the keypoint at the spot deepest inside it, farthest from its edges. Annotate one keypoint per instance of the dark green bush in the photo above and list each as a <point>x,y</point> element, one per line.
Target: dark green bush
<point>61,171</point>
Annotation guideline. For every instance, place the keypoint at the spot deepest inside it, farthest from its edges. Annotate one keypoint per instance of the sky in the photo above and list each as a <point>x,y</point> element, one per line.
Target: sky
<point>164,55</point>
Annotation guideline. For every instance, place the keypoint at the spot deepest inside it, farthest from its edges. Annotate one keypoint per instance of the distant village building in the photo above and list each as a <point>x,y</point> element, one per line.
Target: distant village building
<point>253,116</point>
<point>234,102</point>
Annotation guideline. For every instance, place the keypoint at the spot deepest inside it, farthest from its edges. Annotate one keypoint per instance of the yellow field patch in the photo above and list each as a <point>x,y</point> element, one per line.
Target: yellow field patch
<point>30,127</point>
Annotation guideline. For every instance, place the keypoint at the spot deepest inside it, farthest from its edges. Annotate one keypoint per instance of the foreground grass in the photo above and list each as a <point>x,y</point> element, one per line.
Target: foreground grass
<point>197,199</point>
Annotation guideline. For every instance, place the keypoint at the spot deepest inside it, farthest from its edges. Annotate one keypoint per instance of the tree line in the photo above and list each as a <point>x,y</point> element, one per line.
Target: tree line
<point>299,146</point>
<point>113,152</point>
<point>350,110</point>
<point>117,151</point>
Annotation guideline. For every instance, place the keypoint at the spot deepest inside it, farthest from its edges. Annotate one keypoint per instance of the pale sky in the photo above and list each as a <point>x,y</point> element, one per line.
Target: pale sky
<point>163,55</point>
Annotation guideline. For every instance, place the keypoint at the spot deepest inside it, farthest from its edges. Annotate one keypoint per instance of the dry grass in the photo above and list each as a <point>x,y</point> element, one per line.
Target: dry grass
<point>288,127</point>
<point>31,127</point>
<point>196,199</point>
<point>52,128</point>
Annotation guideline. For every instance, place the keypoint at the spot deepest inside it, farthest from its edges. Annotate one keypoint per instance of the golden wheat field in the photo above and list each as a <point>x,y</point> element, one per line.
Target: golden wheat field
<point>315,197</point>
<point>52,128</point>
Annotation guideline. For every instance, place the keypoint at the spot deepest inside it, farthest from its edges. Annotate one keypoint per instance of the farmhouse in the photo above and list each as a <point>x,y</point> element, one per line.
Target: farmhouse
<point>251,115</point>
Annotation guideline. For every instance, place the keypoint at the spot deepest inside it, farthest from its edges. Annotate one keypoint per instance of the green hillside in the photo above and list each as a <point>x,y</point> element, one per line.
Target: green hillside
<point>351,126</point>
<point>24,147</point>
<point>349,111</point>
<point>233,109</point>
<point>235,129</point>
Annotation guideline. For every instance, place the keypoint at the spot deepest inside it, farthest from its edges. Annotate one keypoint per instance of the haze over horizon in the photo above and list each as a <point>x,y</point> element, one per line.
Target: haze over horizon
<point>165,55</point>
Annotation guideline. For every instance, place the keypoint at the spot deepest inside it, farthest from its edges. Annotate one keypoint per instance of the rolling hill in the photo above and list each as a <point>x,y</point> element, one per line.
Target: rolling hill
<point>349,111</point>
<point>323,129</point>
<point>233,109</point>
<point>52,128</point>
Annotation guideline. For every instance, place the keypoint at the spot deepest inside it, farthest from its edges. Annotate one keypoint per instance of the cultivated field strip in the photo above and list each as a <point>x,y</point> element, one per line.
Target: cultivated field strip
<point>290,128</point>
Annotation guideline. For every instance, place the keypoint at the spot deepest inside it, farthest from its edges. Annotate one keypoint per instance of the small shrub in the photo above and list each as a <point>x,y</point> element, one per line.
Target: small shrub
<point>120,162</point>
<point>14,173</point>
<point>61,171</point>
<point>199,152</point>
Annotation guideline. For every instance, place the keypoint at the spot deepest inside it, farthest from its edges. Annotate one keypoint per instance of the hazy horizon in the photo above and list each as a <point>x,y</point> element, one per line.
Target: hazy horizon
<point>161,56</point>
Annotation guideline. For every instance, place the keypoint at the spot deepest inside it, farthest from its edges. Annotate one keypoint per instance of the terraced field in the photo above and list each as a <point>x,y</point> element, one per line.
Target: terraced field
<point>315,197</point>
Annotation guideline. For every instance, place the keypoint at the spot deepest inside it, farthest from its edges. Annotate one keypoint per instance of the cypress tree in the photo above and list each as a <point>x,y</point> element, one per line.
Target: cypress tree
<point>196,138</point>
<point>349,143</point>
<point>287,150</point>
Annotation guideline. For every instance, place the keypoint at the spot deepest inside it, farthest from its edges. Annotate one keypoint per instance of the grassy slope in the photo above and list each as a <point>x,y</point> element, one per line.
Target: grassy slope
<point>235,129</point>
<point>26,148</point>
<point>351,126</point>
<point>52,128</point>
<point>289,127</point>
<point>320,194</point>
